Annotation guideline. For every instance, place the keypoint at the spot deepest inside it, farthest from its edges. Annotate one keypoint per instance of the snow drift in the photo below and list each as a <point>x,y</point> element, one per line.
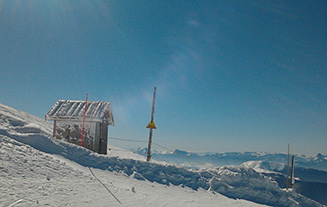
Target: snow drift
<point>311,183</point>
<point>233,181</point>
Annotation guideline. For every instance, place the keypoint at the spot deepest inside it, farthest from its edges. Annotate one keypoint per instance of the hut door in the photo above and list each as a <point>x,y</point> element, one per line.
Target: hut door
<point>103,138</point>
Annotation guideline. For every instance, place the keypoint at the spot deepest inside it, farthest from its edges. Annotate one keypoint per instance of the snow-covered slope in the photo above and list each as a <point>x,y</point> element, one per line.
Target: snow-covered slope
<point>303,174</point>
<point>264,166</point>
<point>33,178</point>
<point>309,182</point>
<point>36,170</point>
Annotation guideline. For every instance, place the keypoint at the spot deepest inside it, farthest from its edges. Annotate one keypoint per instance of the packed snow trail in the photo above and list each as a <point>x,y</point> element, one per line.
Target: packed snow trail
<point>232,181</point>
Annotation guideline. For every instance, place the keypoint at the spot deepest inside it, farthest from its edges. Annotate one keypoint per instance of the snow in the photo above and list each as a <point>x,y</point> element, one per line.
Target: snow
<point>33,178</point>
<point>264,166</point>
<point>36,170</point>
<point>68,109</point>
<point>125,154</point>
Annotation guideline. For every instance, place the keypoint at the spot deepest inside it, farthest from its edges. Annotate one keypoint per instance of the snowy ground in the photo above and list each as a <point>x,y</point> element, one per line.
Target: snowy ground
<point>33,178</point>
<point>38,171</point>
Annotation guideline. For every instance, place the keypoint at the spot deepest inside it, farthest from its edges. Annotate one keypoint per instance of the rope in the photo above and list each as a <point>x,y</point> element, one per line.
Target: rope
<point>104,186</point>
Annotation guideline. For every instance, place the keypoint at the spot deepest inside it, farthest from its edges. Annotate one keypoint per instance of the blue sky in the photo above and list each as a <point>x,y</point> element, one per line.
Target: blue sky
<point>230,75</point>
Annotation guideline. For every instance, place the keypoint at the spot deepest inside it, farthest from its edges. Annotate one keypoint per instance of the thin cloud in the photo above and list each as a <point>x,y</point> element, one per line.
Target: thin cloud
<point>194,22</point>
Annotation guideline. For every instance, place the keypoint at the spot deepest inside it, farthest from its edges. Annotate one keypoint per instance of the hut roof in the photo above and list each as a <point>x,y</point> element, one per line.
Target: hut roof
<point>74,110</point>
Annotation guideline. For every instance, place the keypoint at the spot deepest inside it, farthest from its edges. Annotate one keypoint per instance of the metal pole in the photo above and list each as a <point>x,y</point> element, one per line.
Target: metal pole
<point>149,145</point>
<point>288,166</point>
<point>292,172</point>
<point>151,125</point>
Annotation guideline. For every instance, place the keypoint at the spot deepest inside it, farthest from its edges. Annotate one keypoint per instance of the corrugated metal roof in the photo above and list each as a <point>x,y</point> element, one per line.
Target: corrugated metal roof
<point>68,109</point>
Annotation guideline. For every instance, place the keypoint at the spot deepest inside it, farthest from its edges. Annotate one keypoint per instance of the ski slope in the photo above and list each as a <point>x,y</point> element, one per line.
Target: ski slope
<point>38,171</point>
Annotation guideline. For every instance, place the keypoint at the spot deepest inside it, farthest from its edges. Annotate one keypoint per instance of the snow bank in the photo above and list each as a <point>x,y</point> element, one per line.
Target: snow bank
<point>264,166</point>
<point>232,181</point>
<point>33,178</point>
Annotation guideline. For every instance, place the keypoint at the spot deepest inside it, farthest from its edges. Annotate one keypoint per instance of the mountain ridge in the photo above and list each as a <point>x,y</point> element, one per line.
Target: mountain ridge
<point>318,162</point>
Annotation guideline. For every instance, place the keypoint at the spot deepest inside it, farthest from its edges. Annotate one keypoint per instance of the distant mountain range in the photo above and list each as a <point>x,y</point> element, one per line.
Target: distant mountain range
<point>310,172</point>
<point>195,160</point>
<point>311,183</point>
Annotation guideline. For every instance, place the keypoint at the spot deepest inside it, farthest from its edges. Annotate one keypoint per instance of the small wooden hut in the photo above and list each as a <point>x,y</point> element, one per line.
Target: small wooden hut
<point>68,121</point>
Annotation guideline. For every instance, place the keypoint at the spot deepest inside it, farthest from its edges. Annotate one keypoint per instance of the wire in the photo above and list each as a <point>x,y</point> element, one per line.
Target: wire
<point>158,158</point>
<point>133,140</point>
<point>104,186</point>
<point>128,140</point>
